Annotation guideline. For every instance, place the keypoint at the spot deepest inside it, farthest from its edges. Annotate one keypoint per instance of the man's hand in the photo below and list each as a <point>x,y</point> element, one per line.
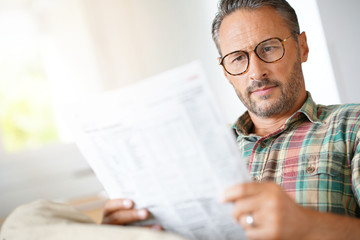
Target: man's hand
<point>275,214</point>
<point>122,212</point>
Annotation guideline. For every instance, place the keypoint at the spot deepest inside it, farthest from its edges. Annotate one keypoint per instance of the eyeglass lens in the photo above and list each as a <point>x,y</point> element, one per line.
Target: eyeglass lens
<point>268,51</point>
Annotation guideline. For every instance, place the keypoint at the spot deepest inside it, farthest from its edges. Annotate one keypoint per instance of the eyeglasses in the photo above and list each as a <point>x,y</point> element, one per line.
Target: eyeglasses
<point>270,50</point>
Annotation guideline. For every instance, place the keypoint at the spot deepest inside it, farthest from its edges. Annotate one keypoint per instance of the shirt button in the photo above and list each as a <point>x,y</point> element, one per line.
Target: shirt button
<point>263,144</point>
<point>255,179</point>
<point>310,169</point>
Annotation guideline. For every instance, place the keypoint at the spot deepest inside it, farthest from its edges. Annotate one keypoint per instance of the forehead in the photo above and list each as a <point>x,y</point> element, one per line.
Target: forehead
<point>244,29</point>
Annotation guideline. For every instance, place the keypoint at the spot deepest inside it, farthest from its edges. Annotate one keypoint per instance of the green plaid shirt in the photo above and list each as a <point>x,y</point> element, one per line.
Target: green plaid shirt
<point>315,156</point>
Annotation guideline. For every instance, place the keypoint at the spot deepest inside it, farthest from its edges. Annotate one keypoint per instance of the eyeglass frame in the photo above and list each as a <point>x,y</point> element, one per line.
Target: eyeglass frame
<point>248,56</point>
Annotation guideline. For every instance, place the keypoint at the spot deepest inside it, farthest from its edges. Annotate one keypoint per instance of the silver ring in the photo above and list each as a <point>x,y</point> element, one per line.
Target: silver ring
<point>249,220</point>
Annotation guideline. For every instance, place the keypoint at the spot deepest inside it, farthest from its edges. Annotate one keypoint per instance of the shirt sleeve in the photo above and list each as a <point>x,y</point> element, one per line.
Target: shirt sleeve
<point>355,164</point>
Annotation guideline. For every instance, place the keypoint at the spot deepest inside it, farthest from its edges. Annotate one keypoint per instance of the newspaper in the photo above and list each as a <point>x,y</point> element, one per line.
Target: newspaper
<point>163,143</point>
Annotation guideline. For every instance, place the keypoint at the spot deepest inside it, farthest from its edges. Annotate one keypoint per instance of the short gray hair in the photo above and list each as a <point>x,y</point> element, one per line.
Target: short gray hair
<point>282,7</point>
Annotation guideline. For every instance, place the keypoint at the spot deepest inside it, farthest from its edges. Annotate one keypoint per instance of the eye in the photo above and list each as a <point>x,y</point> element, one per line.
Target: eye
<point>237,57</point>
<point>269,49</point>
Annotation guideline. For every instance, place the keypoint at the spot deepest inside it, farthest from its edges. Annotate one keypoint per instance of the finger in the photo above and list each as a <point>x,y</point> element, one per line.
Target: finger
<point>240,191</point>
<point>262,233</point>
<point>126,216</point>
<point>116,205</point>
<point>256,221</point>
<point>246,206</point>
<point>156,227</point>
<point>242,221</point>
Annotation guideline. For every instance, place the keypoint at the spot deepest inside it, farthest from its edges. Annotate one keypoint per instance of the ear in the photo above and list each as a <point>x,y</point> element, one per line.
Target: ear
<point>304,48</point>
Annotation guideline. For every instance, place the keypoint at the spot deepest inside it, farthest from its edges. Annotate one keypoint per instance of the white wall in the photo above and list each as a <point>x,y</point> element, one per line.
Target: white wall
<point>68,50</point>
<point>318,71</point>
<point>341,24</point>
<point>137,39</point>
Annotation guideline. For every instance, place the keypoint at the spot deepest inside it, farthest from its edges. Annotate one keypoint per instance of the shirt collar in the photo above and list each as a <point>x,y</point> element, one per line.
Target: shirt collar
<point>244,124</point>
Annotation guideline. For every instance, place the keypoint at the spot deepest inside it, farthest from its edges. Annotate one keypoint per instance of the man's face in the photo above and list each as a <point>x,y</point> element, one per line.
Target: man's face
<point>266,89</point>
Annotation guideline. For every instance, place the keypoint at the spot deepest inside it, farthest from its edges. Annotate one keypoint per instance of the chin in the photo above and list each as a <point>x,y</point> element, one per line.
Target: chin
<point>267,109</point>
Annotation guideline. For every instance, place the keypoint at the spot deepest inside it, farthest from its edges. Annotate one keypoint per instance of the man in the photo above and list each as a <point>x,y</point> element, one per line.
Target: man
<point>304,158</point>
<point>311,152</point>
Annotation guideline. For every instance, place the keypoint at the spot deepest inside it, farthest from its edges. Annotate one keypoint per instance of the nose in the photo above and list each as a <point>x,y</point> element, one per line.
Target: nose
<point>258,69</point>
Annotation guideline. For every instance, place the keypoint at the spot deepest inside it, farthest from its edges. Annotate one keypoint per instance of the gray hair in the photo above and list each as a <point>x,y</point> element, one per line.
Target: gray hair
<point>282,7</point>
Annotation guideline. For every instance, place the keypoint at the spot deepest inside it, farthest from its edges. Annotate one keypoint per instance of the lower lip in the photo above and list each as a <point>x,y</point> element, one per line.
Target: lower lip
<point>263,92</point>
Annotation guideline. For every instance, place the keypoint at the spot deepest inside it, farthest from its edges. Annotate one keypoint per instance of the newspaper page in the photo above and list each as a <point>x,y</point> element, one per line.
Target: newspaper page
<point>163,143</point>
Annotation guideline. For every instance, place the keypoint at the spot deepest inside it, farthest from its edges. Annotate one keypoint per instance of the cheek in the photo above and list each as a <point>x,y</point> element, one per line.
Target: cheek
<point>281,71</point>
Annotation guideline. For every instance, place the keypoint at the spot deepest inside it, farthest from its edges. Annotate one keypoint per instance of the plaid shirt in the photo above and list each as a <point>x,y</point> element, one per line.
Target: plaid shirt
<point>315,156</point>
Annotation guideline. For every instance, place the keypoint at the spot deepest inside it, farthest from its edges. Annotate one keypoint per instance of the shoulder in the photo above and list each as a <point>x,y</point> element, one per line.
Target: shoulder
<point>343,111</point>
<point>341,119</point>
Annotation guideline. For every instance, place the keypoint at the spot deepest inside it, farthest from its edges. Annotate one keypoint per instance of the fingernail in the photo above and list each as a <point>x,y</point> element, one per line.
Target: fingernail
<point>142,213</point>
<point>156,227</point>
<point>221,199</point>
<point>127,203</point>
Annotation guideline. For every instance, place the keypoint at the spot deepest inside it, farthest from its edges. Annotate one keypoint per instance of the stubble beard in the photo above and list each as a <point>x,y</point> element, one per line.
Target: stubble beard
<point>289,94</point>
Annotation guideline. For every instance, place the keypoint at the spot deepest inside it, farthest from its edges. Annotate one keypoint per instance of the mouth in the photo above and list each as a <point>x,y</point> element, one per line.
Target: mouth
<point>264,90</point>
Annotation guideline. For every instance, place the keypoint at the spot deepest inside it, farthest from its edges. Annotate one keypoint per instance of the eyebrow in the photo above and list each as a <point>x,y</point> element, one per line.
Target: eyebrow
<point>253,47</point>
<point>247,49</point>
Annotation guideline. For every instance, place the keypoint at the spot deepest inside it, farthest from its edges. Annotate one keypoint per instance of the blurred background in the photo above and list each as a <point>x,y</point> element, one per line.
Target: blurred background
<point>55,51</point>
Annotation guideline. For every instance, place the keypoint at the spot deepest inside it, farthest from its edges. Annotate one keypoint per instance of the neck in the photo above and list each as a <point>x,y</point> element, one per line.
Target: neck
<point>266,126</point>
